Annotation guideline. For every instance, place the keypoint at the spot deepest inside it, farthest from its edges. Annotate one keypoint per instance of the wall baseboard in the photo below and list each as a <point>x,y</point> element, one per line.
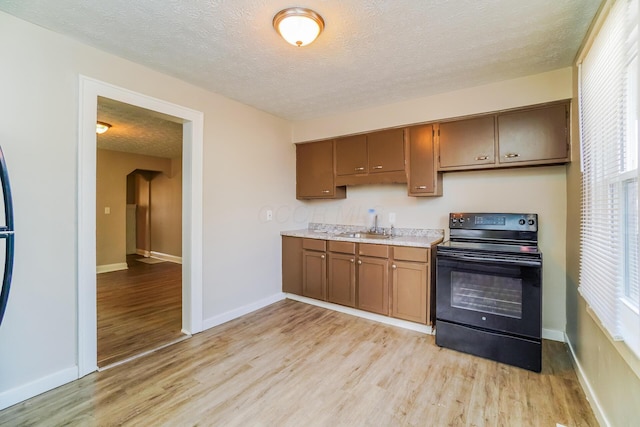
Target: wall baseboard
<point>586,387</point>
<point>36,387</point>
<point>143,252</point>
<point>553,335</point>
<point>107,268</point>
<point>238,312</point>
<point>364,314</point>
<point>166,257</point>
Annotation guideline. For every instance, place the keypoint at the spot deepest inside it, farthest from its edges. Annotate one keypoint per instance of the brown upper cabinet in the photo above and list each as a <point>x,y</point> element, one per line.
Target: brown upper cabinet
<point>351,155</point>
<point>467,143</point>
<point>373,158</point>
<point>423,178</point>
<point>524,137</point>
<point>535,136</point>
<point>315,178</point>
<point>386,151</point>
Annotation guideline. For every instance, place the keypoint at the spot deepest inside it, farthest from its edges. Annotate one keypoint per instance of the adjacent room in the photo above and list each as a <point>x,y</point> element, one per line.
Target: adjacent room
<point>402,212</point>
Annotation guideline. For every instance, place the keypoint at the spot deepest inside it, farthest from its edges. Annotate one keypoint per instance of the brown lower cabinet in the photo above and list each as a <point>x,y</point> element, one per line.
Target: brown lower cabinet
<point>373,278</point>
<point>292,265</point>
<point>314,268</point>
<point>393,281</point>
<point>341,268</point>
<point>412,284</point>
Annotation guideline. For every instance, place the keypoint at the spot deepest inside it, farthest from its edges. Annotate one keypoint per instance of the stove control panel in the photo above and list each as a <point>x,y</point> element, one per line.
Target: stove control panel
<point>494,221</point>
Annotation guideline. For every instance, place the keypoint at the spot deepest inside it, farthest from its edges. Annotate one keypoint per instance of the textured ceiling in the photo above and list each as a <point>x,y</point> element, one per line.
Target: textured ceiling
<point>137,130</point>
<point>372,52</point>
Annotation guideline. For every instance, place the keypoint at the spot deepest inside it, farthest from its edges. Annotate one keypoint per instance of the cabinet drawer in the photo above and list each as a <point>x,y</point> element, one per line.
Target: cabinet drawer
<point>342,247</point>
<point>379,251</point>
<point>314,244</point>
<point>410,254</point>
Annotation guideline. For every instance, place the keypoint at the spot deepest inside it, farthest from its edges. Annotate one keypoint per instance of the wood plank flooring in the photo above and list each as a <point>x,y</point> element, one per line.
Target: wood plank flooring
<point>293,364</point>
<point>139,309</point>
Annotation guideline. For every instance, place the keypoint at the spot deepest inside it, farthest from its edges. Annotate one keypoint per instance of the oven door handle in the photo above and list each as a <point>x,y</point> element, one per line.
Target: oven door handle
<point>519,261</point>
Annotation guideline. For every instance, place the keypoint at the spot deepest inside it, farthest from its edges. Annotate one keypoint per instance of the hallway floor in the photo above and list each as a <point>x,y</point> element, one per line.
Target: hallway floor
<point>139,309</point>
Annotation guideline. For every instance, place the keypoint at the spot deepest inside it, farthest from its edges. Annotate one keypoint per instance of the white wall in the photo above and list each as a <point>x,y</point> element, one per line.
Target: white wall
<point>539,190</point>
<point>248,163</point>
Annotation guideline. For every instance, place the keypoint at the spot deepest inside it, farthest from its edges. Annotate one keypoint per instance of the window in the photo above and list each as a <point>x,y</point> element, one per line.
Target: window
<point>609,148</point>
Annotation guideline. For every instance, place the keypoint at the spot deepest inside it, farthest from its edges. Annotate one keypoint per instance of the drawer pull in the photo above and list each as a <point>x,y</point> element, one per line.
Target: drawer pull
<point>420,187</point>
<point>359,169</point>
<point>326,191</point>
<point>352,260</point>
<point>321,256</point>
<point>359,262</point>
<point>482,157</point>
<point>394,266</point>
<point>378,167</point>
<point>511,155</point>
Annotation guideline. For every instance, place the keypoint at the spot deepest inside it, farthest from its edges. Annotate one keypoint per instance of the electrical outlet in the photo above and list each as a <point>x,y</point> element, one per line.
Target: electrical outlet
<point>269,215</point>
<point>392,218</point>
<point>107,210</point>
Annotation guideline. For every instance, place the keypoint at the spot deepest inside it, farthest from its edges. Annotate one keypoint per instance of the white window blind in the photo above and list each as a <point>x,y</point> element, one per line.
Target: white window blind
<point>609,143</point>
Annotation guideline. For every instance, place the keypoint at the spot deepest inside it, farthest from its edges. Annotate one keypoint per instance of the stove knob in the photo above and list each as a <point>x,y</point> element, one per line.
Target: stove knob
<point>454,220</point>
<point>521,222</point>
<point>461,220</point>
<point>531,222</point>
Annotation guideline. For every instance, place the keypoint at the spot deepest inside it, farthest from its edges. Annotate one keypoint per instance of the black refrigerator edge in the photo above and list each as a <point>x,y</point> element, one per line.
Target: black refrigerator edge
<point>6,235</point>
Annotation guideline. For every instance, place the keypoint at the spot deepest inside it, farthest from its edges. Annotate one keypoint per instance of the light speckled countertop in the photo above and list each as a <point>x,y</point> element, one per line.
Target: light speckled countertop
<point>417,237</point>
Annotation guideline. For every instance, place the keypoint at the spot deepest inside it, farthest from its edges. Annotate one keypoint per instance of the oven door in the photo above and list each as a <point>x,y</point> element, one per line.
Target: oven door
<point>494,293</point>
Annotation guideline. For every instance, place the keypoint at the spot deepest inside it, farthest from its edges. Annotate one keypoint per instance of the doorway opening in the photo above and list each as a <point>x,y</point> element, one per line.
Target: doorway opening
<point>191,222</point>
<point>139,199</point>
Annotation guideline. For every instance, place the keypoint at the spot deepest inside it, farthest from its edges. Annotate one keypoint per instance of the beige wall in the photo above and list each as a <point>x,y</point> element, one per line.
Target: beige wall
<point>248,163</point>
<point>540,190</point>
<point>111,179</point>
<point>612,381</point>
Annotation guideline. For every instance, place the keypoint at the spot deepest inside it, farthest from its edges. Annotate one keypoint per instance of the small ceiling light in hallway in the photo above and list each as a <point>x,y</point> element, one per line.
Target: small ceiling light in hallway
<point>102,127</point>
<point>298,26</point>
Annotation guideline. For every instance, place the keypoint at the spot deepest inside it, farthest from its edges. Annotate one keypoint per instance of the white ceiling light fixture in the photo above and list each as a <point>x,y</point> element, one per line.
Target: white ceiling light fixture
<point>298,26</point>
<point>102,127</point>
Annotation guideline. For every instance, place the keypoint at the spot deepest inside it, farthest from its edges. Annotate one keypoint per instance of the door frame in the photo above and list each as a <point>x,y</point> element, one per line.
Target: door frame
<point>192,148</point>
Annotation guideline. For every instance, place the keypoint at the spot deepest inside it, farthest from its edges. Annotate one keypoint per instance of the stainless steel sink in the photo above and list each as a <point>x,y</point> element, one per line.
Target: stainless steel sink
<point>365,235</point>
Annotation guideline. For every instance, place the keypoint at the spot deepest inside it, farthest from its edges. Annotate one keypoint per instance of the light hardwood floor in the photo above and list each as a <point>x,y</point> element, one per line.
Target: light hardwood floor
<point>292,364</point>
<point>139,309</point>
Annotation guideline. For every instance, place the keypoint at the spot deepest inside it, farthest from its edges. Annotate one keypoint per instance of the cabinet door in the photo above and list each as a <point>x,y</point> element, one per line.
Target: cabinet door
<point>539,135</point>
<point>423,178</point>
<point>351,155</point>
<point>386,151</point>
<point>467,144</point>
<point>341,280</point>
<point>314,274</point>
<point>409,291</point>
<point>373,285</point>
<point>314,171</point>
<point>292,265</point>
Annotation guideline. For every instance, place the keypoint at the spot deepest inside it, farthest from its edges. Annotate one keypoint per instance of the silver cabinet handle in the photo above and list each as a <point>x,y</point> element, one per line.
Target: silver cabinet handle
<point>359,169</point>
<point>511,155</point>
<point>420,187</point>
<point>352,260</point>
<point>394,266</point>
<point>326,191</point>
<point>482,157</point>
<point>359,262</point>
<point>378,167</point>
<point>321,256</point>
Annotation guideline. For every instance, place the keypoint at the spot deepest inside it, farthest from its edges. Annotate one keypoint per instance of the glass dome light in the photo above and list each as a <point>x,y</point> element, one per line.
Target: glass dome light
<point>298,26</point>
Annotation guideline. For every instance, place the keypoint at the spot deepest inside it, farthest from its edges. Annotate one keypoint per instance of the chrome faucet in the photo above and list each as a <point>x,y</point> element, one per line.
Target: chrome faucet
<point>374,229</point>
